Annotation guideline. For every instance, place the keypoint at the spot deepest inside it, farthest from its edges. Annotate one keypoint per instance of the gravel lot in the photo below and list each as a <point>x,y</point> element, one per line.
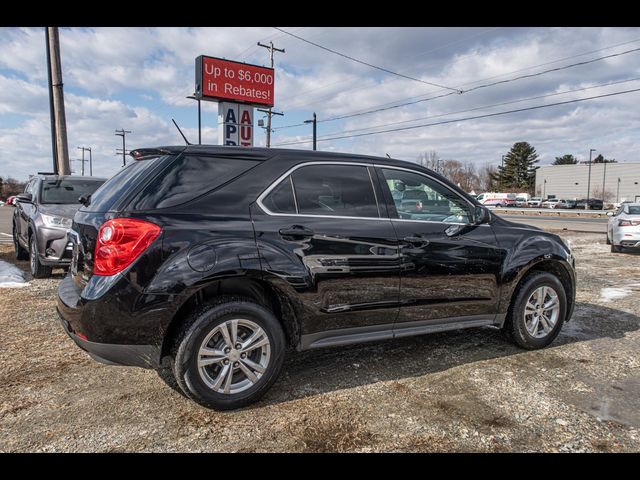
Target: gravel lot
<point>468,390</point>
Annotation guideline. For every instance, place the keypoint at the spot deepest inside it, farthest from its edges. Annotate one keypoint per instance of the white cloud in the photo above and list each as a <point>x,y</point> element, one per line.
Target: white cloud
<point>137,77</point>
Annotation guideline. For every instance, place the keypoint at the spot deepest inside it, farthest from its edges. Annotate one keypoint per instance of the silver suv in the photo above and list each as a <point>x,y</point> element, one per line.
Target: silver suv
<point>43,214</point>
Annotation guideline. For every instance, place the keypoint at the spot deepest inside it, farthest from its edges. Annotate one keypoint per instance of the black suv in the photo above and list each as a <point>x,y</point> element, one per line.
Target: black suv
<point>207,263</point>
<point>43,214</point>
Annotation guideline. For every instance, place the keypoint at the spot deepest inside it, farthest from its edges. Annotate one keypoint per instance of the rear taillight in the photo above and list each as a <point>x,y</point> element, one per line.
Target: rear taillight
<point>120,241</point>
<point>628,223</point>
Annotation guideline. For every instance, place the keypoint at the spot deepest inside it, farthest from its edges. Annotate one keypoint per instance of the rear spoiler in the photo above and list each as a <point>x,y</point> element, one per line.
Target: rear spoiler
<point>146,153</point>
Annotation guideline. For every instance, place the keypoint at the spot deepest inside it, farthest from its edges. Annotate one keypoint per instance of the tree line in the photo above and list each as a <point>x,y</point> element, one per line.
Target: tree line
<point>10,186</point>
<point>516,173</point>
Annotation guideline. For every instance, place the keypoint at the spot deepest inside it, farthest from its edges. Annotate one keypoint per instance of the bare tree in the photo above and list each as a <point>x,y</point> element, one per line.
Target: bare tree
<point>430,160</point>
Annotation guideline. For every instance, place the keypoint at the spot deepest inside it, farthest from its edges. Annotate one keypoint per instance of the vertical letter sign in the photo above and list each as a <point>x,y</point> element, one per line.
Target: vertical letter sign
<point>235,124</point>
<point>238,87</point>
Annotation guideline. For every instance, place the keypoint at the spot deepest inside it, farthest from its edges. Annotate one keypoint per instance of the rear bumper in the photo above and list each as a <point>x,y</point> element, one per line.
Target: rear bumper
<point>76,315</point>
<point>627,237</point>
<point>111,354</point>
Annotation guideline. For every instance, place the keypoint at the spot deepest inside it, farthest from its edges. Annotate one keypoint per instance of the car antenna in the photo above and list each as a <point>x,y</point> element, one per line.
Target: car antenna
<point>388,156</point>
<point>185,138</point>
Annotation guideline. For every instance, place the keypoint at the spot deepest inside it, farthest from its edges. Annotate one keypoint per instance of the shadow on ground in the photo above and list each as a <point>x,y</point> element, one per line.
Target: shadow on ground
<point>325,370</point>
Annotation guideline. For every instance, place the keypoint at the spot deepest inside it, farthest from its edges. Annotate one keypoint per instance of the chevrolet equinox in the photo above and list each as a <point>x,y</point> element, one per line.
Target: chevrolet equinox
<point>208,263</point>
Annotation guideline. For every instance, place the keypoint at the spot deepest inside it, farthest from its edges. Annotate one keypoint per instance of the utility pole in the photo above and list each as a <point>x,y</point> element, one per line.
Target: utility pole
<point>604,178</point>
<point>314,121</point>
<point>83,160</point>
<point>54,150</point>
<point>501,170</point>
<point>269,113</point>
<point>62,148</point>
<point>123,133</point>
<point>271,49</point>
<point>586,206</point>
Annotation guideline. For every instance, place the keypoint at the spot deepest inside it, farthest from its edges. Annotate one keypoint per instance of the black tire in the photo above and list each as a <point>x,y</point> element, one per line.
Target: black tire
<point>37,269</point>
<point>21,253</point>
<point>615,248</point>
<point>195,331</point>
<point>167,376</point>
<point>608,241</point>
<point>515,326</point>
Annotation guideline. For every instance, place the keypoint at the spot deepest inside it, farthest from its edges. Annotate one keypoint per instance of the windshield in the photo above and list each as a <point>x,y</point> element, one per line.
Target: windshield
<point>67,191</point>
<point>634,209</point>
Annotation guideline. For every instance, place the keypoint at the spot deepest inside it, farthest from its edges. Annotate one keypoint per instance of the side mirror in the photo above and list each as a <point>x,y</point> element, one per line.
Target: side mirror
<point>481,215</point>
<point>24,197</point>
<point>610,214</point>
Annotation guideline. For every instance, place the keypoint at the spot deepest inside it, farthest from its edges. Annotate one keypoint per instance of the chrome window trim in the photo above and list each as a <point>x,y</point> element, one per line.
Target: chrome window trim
<point>289,172</point>
<point>293,191</point>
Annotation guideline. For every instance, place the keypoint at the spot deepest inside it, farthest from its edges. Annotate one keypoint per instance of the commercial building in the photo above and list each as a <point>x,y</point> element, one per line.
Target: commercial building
<point>621,181</point>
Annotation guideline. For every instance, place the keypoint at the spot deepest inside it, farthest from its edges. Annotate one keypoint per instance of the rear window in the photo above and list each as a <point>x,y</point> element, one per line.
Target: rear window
<point>114,189</point>
<point>67,191</point>
<point>188,177</point>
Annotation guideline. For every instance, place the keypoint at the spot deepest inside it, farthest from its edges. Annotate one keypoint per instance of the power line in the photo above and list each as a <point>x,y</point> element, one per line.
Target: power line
<point>464,119</point>
<point>537,97</point>
<point>304,93</point>
<point>382,69</point>
<point>376,110</point>
<point>307,103</point>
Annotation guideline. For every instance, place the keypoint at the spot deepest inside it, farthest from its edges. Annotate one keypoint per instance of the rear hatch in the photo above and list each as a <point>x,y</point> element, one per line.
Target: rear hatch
<point>110,199</point>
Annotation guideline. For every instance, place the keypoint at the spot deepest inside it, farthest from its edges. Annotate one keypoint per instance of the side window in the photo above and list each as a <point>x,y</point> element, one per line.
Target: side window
<point>341,190</point>
<point>280,199</point>
<point>418,197</point>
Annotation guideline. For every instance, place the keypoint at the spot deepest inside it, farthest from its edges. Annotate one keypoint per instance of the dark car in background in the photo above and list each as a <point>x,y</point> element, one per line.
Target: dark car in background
<point>594,204</point>
<point>208,263</point>
<point>43,214</point>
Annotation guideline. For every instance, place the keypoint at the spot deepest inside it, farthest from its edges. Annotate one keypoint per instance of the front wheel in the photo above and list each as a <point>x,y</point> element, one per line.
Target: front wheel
<point>37,269</point>
<point>537,312</point>
<point>229,354</point>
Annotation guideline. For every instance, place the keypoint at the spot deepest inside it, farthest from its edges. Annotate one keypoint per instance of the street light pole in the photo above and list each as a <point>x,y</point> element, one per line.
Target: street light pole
<point>604,178</point>
<point>193,97</point>
<point>618,191</point>
<point>586,206</point>
<point>314,121</point>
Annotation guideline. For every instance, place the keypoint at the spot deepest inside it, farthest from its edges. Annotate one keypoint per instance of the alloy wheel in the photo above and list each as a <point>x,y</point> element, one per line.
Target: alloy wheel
<point>541,312</point>
<point>234,356</point>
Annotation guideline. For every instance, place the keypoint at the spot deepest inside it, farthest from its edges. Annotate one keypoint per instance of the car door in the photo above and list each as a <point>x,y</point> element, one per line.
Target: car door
<point>451,267</point>
<point>320,230</point>
<point>23,212</point>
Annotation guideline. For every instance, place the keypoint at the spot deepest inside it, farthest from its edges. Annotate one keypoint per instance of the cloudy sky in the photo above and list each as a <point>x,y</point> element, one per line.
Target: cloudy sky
<point>138,78</point>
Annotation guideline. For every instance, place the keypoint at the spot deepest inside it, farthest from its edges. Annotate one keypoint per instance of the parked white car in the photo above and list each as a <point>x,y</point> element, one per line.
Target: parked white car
<point>623,229</point>
<point>535,202</point>
<point>550,203</point>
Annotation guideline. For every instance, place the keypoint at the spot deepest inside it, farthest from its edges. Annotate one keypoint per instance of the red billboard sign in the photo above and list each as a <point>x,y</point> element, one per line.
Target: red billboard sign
<point>218,79</point>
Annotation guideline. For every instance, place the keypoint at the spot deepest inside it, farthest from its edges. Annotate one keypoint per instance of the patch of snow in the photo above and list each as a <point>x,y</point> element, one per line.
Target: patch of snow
<point>612,293</point>
<point>11,276</point>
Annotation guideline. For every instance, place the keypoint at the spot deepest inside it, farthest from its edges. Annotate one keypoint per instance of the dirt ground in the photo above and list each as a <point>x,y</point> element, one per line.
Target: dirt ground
<point>468,390</point>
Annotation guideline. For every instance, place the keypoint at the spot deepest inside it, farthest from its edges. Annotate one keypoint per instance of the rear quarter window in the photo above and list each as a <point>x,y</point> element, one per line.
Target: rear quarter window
<point>189,177</point>
<point>106,197</point>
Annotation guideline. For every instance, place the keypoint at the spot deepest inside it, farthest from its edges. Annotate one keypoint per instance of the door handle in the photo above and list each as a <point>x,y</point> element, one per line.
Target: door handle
<point>415,240</point>
<point>296,231</point>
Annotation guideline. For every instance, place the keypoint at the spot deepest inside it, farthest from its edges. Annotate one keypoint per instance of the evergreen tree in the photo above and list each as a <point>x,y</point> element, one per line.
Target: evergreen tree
<point>519,171</point>
<point>567,159</point>
<point>601,159</point>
